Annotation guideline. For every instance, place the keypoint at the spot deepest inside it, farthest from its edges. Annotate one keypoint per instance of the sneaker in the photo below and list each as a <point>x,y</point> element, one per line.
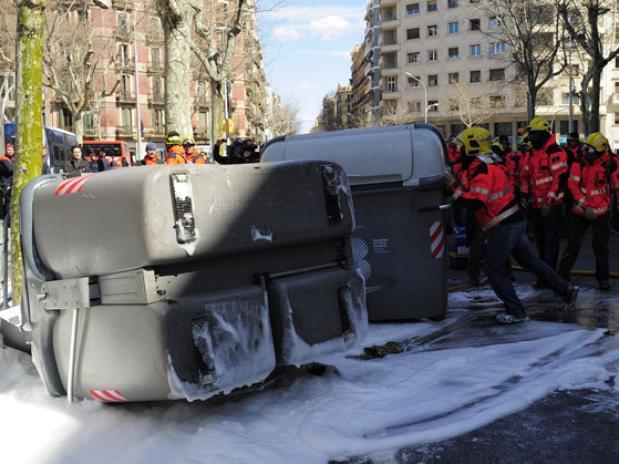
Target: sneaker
<point>604,285</point>
<point>570,294</point>
<point>506,318</point>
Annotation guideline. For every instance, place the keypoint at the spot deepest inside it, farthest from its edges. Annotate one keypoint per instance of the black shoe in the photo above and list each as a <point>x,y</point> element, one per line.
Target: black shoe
<point>571,293</point>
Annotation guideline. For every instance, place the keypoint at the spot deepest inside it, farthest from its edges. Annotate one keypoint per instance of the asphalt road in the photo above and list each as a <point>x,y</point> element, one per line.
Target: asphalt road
<point>579,427</point>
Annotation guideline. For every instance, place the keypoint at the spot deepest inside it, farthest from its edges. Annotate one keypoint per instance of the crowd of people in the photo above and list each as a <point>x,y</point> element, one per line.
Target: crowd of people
<point>501,195</point>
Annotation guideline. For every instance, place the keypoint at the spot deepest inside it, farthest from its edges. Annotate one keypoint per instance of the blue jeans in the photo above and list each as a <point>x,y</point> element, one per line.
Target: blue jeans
<point>511,239</point>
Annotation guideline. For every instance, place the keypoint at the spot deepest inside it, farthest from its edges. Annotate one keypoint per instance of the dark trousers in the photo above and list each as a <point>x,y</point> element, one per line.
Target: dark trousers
<point>575,234</point>
<point>547,234</point>
<point>511,239</point>
<point>476,251</point>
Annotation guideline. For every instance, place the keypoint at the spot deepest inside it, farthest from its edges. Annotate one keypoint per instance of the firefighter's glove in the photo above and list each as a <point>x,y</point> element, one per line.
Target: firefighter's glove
<point>590,215</point>
<point>545,211</point>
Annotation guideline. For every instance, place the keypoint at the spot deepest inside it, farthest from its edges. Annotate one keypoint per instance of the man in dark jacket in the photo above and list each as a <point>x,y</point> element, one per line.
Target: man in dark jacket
<point>76,166</point>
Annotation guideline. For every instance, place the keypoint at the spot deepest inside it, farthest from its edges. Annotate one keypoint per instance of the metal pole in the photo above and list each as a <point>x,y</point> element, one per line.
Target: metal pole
<point>212,119</point>
<point>571,116</point>
<point>138,112</point>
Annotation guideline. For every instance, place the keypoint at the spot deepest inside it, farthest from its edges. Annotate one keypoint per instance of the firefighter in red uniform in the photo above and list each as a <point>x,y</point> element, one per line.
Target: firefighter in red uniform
<point>492,197</point>
<point>592,181</point>
<point>543,182</point>
<point>573,147</point>
<point>175,153</point>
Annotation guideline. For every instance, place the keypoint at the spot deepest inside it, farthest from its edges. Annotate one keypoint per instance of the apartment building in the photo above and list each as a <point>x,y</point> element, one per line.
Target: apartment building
<point>115,116</point>
<point>437,59</point>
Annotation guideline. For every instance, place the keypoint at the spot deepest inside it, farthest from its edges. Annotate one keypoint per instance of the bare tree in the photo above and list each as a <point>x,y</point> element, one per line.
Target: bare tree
<point>472,106</point>
<point>284,118</point>
<point>74,57</point>
<point>532,31</point>
<point>584,20</point>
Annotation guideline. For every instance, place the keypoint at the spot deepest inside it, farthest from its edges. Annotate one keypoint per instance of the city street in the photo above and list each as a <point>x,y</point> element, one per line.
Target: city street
<point>566,426</point>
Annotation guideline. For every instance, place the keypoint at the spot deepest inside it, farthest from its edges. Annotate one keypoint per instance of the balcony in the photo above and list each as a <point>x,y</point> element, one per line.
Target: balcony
<point>125,96</point>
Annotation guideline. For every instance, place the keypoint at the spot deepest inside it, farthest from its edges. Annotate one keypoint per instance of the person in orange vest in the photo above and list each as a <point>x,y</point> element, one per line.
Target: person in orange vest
<point>489,193</point>
<point>593,179</point>
<point>6,162</point>
<point>194,156</point>
<point>151,158</point>
<point>175,153</point>
<point>543,184</point>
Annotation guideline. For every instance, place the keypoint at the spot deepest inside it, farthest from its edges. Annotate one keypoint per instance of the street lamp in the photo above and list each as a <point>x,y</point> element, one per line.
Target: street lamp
<point>425,96</point>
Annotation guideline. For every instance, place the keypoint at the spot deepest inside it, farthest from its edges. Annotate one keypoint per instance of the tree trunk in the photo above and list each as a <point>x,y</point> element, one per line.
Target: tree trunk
<point>217,108</point>
<point>29,120</point>
<point>584,106</point>
<point>594,101</point>
<point>531,102</point>
<point>178,76</point>
<point>78,127</point>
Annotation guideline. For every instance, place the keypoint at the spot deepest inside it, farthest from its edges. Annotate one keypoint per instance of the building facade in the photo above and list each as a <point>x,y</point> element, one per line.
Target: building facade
<point>439,60</point>
<point>126,53</point>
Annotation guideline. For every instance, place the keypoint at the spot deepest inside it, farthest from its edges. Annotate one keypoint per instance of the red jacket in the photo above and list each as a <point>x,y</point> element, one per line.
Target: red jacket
<point>543,174</point>
<point>513,160</point>
<point>489,187</point>
<point>592,183</point>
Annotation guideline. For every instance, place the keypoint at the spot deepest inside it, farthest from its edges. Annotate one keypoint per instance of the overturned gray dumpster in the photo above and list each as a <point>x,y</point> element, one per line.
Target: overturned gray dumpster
<point>397,179</point>
<point>169,282</point>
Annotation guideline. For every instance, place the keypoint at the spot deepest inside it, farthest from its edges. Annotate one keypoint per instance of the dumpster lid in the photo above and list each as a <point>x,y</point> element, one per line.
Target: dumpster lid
<point>369,156</point>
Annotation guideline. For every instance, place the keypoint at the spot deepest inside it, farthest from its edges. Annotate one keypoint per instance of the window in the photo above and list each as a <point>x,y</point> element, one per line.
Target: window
<point>475,50</point>
<point>616,87</point>
<point>412,33</point>
<point>414,82</point>
<point>475,76</point>
<point>453,53</point>
<point>544,97</point>
<point>9,81</point>
<point>575,70</point>
<point>497,74</point>
<point>124,54</point>
<point>432,55</point>
<point>390,60</point>
<point>66,119</point>
<point>391,84</point>
<point>432,106</point>
<point>432,30</point>
<point>89,122</point>
<point>475,24</point>
<point>616,118</point>
<point>497,101</point>
<point>154,58</point>
<point>390,107</point>
<point>125,84</point>
<point>390,37</point>
<point>432,5</point>
<point>454,78</point>
<point>121,19</point>
<point>565,98</point>
<point>157,87</point>
<point>389,14</point>
<point>158,120</point>
<point>203,121</point>
<point>432,80</point>
<point>617,62</point>
<point>494,22</point>
<point>452,3</point>
<point>413,9</point>
<point>453,27</point>
<point>414,107</point>
<point>414,57</point>
<point>127,118</point>
<point>497,48</point>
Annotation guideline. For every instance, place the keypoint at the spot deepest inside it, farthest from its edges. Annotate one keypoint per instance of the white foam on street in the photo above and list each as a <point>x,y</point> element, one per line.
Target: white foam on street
<point>427,394</point>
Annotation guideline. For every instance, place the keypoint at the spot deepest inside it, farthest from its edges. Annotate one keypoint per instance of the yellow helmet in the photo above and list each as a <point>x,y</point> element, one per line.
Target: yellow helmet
<point>173,138</point>
<point>476,141</point>
<point>597,141</point>
<point>539,124</point>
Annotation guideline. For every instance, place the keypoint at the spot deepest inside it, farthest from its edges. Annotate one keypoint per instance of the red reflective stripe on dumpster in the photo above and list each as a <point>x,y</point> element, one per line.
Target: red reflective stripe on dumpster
<point>108,396</point>
<point>72,185</point>
<point>63,185</point>
<point>437,240</point>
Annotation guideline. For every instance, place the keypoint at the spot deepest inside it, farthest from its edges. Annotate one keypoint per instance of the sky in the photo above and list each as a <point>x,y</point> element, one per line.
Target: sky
<point>307,46</point>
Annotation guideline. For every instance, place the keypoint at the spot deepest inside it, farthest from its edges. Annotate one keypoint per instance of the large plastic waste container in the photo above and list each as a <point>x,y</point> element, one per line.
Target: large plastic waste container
<point>397,179</point>
<point>166,282</point>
